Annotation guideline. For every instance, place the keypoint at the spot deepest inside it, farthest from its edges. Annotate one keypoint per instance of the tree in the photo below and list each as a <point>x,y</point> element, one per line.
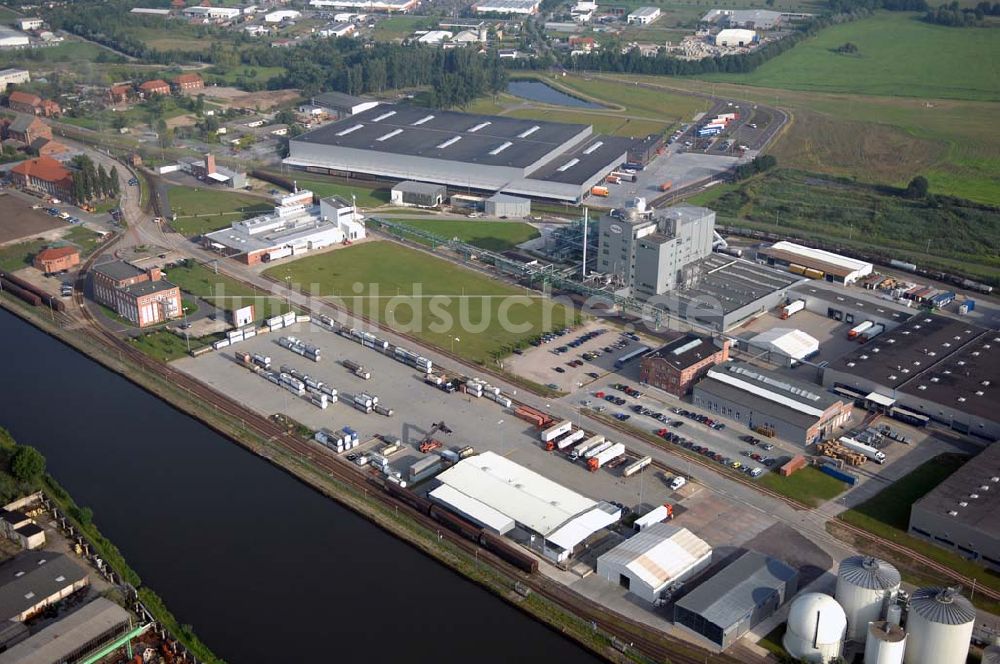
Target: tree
<point>27,463</point>
<point>103,183</point>
<point>115,182</point>
<point>918,188</point>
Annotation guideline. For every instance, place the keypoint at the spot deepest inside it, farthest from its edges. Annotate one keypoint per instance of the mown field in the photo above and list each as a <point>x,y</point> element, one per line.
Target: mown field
<point>222,291</point>
<point>205,210</point>
<point>886,140</point>
<point>492,235</point>
<point>808,486</point>
<point>432,299</point>
<point>898,55</point>
<point>800,204</point>
<point>364,196</point>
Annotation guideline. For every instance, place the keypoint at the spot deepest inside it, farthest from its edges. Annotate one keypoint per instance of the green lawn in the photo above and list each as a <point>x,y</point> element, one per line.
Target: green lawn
<point>205,210</point>
<point>222,291</point>
<point>15,256</point>
<point>163,345</point>
<point>430,298</point>
<point>808,486</point>
<point>84,238</point>
<point>365,197</point>
<point>864,217</point>
<point>69,51</point>
<point>898,55</point>
<point>492,235</point>
<point>398,27</point>
<point>639,101</point>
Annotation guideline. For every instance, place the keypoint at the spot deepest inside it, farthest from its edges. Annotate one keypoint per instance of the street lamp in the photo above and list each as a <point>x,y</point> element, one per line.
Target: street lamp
<point>453,340</point>
<point>500,424</point>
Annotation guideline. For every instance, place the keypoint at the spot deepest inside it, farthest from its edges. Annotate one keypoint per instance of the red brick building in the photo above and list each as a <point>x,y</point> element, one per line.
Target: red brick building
<point>49,108</point>
<point>27,129</point>
<point>142,296</point>
<point>674,368</point>
<point>44,174</point>
<point>24,102</point>
<point>156,87</point>
<point>57,259</point>
<point>185,82</point>
<point>45,147</point>
<point>119,94</point>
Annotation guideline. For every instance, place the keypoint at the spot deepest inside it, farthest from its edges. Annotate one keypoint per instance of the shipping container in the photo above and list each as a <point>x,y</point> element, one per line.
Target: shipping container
<point>966,306</point>
<point>449,455</point>
<point>839,474</point>
<point>871,333</point>
<point>429,462</point>
<point>599,191</point>
<point>636,466</point>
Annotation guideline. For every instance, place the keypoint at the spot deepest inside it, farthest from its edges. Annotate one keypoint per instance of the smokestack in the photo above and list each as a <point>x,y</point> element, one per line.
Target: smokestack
<point>209,164</point>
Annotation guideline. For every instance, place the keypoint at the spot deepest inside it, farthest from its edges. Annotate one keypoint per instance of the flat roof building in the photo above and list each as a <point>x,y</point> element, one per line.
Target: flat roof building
<point>13,77</point>
<point>503,205</point>
<point>757,19</point>
<point>490,153</point>
<point>10,38</point>
<point>651,561</point>
<point>418,194</point>
<point>735,600</point>
<point>815,263</point>
<point>771,403</point>
<point>144,297</point>
<point>675,367</point>
<point>73,636</point>
<point>388,6</point>
<point>942,368</point>
<point>850,306</point>
<point>521,7</point>
<point>644,15</point>
<point>33,580</point>
<point>493,491</point>
<point>962,513</point>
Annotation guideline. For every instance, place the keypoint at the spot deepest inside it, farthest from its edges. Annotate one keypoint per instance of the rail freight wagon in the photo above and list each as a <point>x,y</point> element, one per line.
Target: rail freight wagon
<point>508,552</point>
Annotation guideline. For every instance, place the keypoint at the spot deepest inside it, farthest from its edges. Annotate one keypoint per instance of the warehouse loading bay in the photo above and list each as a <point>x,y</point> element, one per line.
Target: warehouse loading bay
<point>726,522</point>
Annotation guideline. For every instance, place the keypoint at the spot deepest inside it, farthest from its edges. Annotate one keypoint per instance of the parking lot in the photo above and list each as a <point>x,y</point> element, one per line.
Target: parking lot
<point>573,360</point>
<point>678,168</point>
<point>21,222</point>
<point>475,422</point>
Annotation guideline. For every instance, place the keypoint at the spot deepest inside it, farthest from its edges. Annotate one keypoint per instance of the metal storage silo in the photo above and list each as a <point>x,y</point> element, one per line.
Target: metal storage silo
<point>991,655</point>
<point>816,627</point>
<point>885,643</point>
<point>865,586</point>
<point>939,622</point>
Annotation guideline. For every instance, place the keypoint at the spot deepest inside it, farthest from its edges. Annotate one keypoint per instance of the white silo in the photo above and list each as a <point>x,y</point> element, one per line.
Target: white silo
<point>991,654</point>
<point>939,623</point>
<point>865,587</point>
<point>816,627</point>
<point>885,643</point>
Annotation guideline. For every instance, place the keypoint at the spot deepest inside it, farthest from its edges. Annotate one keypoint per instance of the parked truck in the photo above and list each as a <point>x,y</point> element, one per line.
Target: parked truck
<point>586,445</point>
<point>654,516</point>
<point>871,333</point>
<point>858,329</point>
<point>667,186</point>
<point>875,455</point>
<point>598,460</point>
<point>597,449</point>
<point>556,430</point>
<point>792,308</point>
<point>568,439</point>
<point>599,191</point>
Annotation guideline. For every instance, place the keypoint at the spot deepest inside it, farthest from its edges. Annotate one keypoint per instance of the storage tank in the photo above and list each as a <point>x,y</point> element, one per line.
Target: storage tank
<point>865,587</point>
<point>816,628</point>
<point>885,644</point>
<point>939,622</point>
<point>991,655</point>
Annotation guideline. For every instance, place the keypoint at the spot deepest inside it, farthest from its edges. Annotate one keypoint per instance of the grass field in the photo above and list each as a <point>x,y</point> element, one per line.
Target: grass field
<point>860,216</point>
<point>887,514</point>
<point>898,55</point>
<point>808,486</point>
<point>878,139</point>
<point>604,122</point>
<point>222,291</point>
<point>641,102</point>
<point>396,286</point>
<point>492,235</point>
<point>205,210</point>
<point>163,345</point>
<point>84,238</point>
<point>15,256</point>
<point>398,27</point>
<point>366,197</point>
<point>69,51</point>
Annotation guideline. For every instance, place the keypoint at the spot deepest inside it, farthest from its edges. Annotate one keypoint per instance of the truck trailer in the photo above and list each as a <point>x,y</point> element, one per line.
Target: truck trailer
<point>875,455</point>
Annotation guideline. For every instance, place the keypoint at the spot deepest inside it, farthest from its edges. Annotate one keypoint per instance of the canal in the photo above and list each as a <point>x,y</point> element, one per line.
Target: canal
<point>266,570</point>
<point>545,93</point>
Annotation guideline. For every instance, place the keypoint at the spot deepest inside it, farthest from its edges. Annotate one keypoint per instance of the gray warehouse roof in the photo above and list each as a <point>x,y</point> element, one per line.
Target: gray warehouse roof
<point>339,100</point>
<point>731,594</point>
<point>685,351</point>
<point>30,577</point>
<point>464,137</point>
<point>412,187</point>
<point>853,299</point>
<point>149,287</point>
<point>732,282</point>
<point>72,632</point>
<point>118,270</point>
<point>584,160</point>
<point>982,512</point>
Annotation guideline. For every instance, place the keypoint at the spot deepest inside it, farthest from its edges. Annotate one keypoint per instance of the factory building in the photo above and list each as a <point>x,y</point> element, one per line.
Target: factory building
<point>771,403</point>
<point>207,170</point>
<point>849,306</point>
<point>675,367</point>
<point>45,175</point>
<point>56,259</point>
<point>33,580</point>
<point>736,37</point>
<point>933,367</point>
<point>509,207</point>
<point>212,13</point>
<point>783,345</point>
<point>503,496</point>
<point>143,297</point>
<point>508,7</point>
<point>644,15</point>
<point>735,600</point>
<point>660,556</point>
<point>10,77</point>
<point>10,38</point>
<point>814,263</point>
<point>962,513</point>
<point>532,158</point>
<point>418,194</point>
<point>387,6</point>
<point>296,226</point>
<point>755,19</point>
<point>73,637</point>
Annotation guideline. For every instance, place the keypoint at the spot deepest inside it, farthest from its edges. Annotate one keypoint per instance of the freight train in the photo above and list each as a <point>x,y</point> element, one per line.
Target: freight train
<point>30,293</point>
<point>489,541</point>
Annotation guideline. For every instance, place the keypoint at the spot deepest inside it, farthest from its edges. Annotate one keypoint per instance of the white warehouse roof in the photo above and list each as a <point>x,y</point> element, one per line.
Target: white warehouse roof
<point>531,500</point>
<point>475,510</point>
<point>794,343</point>
<point>659,554</point>
<point>820,259</point>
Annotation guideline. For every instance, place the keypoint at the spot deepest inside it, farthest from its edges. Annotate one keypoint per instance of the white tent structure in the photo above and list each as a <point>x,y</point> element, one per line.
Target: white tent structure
<point>652,560</point>
<point>788,344</point>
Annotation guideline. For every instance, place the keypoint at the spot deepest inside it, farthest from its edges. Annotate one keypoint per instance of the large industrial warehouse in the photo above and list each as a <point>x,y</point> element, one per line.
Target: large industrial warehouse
<point>500,495</point>
<point>815,263</point>
<point>549,160</point>
<point>935,367</point>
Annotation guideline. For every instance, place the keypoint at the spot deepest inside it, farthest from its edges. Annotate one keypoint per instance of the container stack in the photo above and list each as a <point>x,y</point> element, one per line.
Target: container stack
<point>300,347</point>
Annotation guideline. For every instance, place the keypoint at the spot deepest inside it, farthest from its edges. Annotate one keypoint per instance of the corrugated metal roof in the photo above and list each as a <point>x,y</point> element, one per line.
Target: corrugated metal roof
<point>522,494</point>
<point>869,572</point>
<point>476,510</point>
<point>808,256</point>
<point>942,605</point>
<point>583,526</point>
<point>659,554</point>
<point>59,640</point>
<point>731,594</point>
<point>764,385</point>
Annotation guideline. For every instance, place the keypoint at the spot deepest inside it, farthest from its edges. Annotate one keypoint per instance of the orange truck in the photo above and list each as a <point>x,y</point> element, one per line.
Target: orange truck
<point>599,191</point>
<point>666,185</point>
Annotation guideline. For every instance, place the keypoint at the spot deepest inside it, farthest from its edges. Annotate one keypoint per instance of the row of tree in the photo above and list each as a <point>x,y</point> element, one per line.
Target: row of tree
<point>759,164</point>
<point>956,16</point>
<point>93,183</point>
